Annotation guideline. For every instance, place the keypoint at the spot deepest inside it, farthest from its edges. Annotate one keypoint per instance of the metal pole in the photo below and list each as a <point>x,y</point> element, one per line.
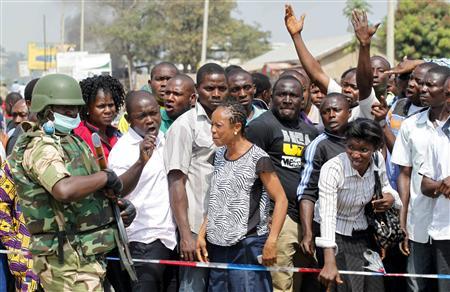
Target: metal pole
<point>390,32</point>
<point>205,32</point>
<point>45,45</point>
<point>63,24</point>
<point>82,26</point>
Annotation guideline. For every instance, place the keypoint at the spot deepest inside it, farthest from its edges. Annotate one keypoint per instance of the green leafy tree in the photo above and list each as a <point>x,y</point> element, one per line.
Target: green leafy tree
<point>351,5</point>
<point>149,31</point>
<point>422,29</point>
<point>231,37</point>
<point>127,34</point>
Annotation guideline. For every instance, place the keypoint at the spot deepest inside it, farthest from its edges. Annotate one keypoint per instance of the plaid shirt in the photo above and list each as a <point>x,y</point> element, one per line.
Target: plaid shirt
<point>14,234</point>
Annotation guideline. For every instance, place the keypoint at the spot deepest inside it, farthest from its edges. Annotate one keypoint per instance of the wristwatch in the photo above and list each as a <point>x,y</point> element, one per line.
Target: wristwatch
<point>382,123</point>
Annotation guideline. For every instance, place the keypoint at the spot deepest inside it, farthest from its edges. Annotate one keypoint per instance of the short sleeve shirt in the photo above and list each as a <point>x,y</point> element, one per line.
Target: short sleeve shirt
<point>189,147</point>
<point>409,151</point>
<point>285,145</point>
<point>437,167</point>
<point>238,203</point>
<point>44,162</point>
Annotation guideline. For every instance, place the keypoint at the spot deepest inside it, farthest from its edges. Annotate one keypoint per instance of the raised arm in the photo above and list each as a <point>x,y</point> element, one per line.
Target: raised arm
<point>405,66</point>
<point>131,177</point>
<point>364,33</point>
<point>311,65</point>
<point>380,112</point>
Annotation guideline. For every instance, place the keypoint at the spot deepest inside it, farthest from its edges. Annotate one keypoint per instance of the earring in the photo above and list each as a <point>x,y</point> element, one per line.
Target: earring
<point>235,133</point>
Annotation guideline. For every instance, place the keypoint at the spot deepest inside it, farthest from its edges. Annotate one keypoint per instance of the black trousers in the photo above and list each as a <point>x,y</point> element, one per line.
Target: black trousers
<point>350,257</point>
<point>441,250</point>
<point>154,277</point>
<point>115,275</point>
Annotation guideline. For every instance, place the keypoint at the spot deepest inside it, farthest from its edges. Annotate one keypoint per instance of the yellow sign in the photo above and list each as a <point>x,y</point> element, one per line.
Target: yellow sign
<point>40,59</point>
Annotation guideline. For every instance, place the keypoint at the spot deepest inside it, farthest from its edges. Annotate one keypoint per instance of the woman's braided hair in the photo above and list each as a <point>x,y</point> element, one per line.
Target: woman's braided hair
<point>237,112</point>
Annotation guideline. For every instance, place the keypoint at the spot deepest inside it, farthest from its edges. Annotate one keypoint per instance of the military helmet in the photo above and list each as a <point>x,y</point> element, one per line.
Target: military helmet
<point>55,89</point>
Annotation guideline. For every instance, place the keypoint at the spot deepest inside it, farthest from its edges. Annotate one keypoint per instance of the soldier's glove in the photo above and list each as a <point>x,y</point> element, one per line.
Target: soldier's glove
<point>113,182</point>
<point>127,211</point>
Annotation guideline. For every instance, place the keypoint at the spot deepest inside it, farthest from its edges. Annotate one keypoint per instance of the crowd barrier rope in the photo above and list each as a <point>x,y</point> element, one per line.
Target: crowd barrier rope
<point>242,267</point>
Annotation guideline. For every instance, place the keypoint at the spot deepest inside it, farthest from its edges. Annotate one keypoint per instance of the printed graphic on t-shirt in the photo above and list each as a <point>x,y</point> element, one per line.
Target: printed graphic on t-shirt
<point>293,145</point>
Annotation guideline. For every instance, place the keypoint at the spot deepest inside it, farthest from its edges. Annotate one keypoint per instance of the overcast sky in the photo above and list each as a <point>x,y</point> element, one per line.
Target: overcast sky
<point>22,21</point>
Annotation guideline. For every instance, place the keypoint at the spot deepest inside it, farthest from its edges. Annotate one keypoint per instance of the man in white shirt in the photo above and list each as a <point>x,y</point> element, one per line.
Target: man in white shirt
<point>187,156</point>
<point>436,184</point>
<point>410,147</point>
<point>152,234</point>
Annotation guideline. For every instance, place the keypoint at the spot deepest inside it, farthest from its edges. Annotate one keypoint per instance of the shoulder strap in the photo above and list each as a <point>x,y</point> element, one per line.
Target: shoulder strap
<point>377,188</point>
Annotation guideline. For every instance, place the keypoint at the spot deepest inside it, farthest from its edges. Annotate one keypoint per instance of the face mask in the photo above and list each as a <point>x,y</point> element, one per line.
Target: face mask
<point>65,124</point>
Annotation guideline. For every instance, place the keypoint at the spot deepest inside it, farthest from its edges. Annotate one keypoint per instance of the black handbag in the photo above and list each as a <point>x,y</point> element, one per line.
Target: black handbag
<point>385,225</point>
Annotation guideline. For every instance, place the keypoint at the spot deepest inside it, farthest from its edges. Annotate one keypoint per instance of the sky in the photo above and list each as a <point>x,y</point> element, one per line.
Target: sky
<point>22,20</point>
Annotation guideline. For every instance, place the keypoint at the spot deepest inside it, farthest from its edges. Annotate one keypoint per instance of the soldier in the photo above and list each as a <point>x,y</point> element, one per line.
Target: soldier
<point>59,184</point>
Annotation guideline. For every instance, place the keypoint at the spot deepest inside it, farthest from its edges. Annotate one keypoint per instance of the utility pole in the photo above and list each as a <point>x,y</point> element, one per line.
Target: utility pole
<point>62,26</point>
<point>205,32</point>
<point>45,44</point>
<point>82,26</point>
<point>390,32</point>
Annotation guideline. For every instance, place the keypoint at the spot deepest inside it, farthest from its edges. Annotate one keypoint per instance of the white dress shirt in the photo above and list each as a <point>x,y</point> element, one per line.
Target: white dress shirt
<point>409,150</point>
<point>343,194</point>
<point>437,167</point>
<point>151,196</point>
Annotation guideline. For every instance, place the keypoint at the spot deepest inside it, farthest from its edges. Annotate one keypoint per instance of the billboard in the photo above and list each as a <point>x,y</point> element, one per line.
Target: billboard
<point>81,65</point>
<point>41,59</point>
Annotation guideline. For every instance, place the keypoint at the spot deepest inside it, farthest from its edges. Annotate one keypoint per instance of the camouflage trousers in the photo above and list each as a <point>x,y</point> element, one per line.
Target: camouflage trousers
<point>75,274</point>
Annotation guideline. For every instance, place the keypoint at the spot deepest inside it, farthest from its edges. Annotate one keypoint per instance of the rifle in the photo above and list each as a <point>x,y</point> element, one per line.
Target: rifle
<point>122,238</point>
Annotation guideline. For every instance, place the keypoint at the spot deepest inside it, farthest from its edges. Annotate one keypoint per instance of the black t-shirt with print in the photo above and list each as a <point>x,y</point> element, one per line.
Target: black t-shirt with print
<point>285,145</point>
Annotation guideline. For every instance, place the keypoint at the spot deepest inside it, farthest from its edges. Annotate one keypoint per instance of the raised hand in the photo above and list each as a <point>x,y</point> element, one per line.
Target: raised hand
<point>363,32</point>
<point>293,25</point>
<point>380,110</point>
<point>405,66</point>
<point>146,147</point>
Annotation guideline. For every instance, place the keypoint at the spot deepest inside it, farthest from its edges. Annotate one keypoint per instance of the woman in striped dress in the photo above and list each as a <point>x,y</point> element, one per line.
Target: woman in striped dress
<point>236,227</point>
<point>346,186</point>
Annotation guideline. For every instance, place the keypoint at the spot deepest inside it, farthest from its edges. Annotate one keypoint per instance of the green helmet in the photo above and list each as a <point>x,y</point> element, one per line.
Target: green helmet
<point>55,89</point>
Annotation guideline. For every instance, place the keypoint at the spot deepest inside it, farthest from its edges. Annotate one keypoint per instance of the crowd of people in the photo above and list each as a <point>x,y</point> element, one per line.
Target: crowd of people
<point>232,168</point>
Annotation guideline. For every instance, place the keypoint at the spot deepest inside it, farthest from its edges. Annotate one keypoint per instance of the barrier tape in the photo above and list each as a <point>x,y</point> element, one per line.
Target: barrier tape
<point>260,268</point>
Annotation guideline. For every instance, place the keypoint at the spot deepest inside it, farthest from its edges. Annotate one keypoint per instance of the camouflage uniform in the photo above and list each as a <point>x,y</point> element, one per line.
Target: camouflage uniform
<point>79,233</point>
